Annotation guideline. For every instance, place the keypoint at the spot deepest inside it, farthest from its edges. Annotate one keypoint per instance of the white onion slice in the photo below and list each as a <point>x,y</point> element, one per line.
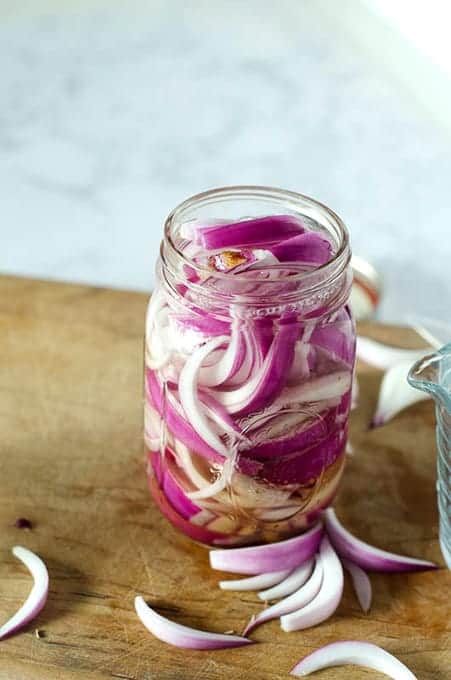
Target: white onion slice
<point>328,598</point>
<point>395,393</point>
<point>361,583</point>
<point>183,636</point>
<point>292,603</point>
<point>37,596</point>
<point>357,653</point>
<point>190,400</point>
<point>292,582</point>
<point>365,555</point>
<point>384,356</point>
<point>255,582</point>
<point>209,376</point>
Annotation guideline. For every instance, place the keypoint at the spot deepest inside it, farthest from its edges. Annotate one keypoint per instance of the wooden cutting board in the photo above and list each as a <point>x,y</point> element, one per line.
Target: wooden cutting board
<point>72,462</point>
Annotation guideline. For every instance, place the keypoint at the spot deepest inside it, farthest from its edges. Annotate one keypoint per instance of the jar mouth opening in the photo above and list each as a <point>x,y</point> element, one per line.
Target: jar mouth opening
<point>298,203</point>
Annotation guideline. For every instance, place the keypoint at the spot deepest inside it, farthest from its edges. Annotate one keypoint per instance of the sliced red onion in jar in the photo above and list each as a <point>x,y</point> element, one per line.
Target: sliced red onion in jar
<point>255,582</point>
<point>183,636</point>
<point>232,367</point>
<point>271,557</point>
<point>328,598</point>
<point>301,597</point>
<point>302,439</point>
<point>268,382</point>
<point>335,341</point>
<point>216,412</point>
<point>294,580</point>
<point>365,555</point>
<point>230,362</point>
<point>198,532</point>
<point>258,232</point>
<point>201,323</point>
<point>176,496</point>
<point>326,387</point>
<point>309,248</point>
<point>180,428</point>
<point>302,467</point>
<point>361,583</point>
<point>353,652</point>
<point>188,391</point>
<point>37,596</point>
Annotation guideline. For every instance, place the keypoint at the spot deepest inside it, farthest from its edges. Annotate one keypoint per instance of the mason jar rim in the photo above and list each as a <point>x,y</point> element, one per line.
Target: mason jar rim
<point>295,202</point>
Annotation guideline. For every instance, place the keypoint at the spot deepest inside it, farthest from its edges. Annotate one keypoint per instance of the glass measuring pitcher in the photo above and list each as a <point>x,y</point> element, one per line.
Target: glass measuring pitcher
<point>432,374</point>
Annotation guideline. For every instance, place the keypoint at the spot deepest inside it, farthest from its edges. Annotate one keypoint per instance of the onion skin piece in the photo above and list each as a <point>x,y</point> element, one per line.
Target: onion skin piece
<point>353,652</point>
<point>365,555</point>
<point>292,582</point>
<point>255,582</point>
<point>327,600</point>
<point>260,559</point>
<point>37,596</point>
<point>361,583</point>
<point>300,598</point>
<point>183,636</point>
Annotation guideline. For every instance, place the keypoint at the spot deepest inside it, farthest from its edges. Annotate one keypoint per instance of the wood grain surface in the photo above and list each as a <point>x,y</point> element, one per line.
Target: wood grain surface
<point>72,462</point>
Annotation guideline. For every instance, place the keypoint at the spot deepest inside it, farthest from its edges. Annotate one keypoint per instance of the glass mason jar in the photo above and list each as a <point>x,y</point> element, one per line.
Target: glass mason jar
<point>248,372</point>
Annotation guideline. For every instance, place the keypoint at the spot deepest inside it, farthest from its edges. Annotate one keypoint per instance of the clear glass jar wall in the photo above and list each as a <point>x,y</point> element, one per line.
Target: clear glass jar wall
<point>249,359</point>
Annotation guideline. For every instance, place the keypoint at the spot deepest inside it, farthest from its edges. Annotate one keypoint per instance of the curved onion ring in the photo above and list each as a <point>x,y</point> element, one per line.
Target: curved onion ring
<point>367,556</point>
<point>300,598</point>
<point>37,596</point>
<point>328,598</point>
<point>189,399</point>
<point>270,557</point>
<point>183,636</point>
<point>357,653</point>
<point>255,582</point>
<point>292,582</point>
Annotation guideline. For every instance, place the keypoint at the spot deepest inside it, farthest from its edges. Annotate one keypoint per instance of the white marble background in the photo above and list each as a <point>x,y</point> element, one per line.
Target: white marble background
<point>112,112</point>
